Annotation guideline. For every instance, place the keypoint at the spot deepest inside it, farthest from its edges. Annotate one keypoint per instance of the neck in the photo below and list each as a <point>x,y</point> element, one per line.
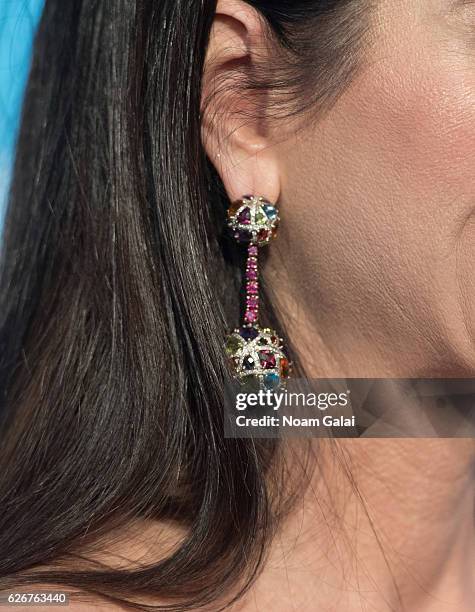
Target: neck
<point>384,525</point>
<point>351,336</point>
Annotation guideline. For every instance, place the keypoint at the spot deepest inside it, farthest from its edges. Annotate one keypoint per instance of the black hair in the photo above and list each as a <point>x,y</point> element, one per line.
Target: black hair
<point>117,291</point>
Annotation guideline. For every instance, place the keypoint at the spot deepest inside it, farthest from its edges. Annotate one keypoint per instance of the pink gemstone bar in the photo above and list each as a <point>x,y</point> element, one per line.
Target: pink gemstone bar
<point>252,287</point>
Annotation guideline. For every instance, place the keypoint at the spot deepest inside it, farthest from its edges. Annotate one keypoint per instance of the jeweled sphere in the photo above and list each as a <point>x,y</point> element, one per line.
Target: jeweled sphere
<point>256,353</point>
<point>253,220</point>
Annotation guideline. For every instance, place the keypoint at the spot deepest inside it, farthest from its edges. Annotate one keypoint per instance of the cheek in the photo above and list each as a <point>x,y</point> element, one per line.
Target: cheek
<point>424,122</point>
<point>382,192</point>
<point>420,119</point>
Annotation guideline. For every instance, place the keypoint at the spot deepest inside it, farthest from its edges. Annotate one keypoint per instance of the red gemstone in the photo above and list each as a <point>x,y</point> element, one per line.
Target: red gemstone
<point>251,316</point>
<point>267,359</point>
<point>284,367</point>
<point>234,362</point>
<point>251,274</point>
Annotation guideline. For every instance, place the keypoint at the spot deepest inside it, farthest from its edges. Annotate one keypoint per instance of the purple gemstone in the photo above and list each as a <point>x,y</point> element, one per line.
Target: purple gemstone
<point>252,287</point>
<point>244,216</point>
<point>252,302</point>
<point>243,236</point>
<point>248,333</point>
<point>252,265</point>
<point>267,359</point>
<point>251,274</point>
<point>253,251</point>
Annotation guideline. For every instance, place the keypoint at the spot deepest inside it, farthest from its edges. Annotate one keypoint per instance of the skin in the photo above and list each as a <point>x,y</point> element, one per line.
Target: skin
<point>415,499</point>
<point>393,241</point>
<point>373,273</point>
<point>373,266</point>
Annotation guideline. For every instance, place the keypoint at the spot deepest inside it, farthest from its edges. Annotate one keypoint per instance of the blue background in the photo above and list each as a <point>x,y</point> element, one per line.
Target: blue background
<point>18,20</point>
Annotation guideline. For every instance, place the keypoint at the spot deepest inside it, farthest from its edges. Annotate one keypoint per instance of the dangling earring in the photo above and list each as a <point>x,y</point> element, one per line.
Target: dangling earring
<point>256,353</point>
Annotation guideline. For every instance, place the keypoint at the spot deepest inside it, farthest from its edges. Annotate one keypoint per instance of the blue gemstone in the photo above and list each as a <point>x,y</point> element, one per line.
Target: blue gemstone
<point>271,381</point>
<point>270,211</point>
<point>248,333</point>
<point>248,363</point>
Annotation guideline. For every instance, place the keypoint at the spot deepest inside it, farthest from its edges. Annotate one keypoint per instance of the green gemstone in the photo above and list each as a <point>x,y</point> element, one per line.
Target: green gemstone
<point>233,344</point>
<point>250,383</point>
<point>260,217</point>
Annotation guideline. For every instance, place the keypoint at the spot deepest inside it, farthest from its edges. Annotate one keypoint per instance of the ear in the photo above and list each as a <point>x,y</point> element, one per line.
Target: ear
<point>235,128</point>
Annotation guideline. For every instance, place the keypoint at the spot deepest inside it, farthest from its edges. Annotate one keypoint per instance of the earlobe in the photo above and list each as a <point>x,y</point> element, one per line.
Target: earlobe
<point>244,172</point>
<point>234,124</point>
